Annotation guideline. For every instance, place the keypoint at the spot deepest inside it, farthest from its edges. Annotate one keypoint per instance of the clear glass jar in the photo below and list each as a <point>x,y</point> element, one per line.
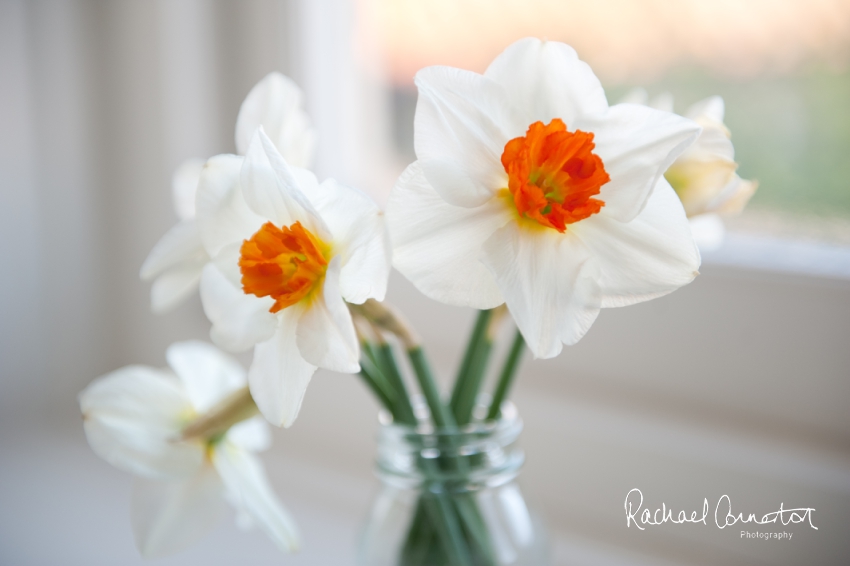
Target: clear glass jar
<point>450,498</point>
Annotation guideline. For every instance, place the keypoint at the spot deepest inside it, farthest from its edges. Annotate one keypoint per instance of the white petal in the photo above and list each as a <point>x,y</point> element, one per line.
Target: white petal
<point>438,246</point>
<point>709,231</point>
<point>227,262</point>
<point>207,373</point>
<point>711,108</point>
<point>223,217</point>
<point>181,244</point>
<point>238,320</point>
<point>169,516</point>
<point>244,476</point>
<point>637,144</point>
<point>272,190</point>
<point>176,284</point>
<point>279,375</point>
<point>184,186</point>
<point>252,435</point>
<point>463,121</point>
<point>734,196</point>
<point>360,240</point>
<point>548,283</point>
<point>648,257</point>
<point>546,80</point>
<point>325,334</point>
<point>131,418</point>
<point>276,104</point>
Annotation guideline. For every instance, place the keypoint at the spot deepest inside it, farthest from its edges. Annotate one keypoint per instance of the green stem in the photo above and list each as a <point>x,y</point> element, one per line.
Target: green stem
<point>376,381</point>
<point>443,418</point>
<point>506,378</point>
<point>394,379</point>
<point>471,373</point>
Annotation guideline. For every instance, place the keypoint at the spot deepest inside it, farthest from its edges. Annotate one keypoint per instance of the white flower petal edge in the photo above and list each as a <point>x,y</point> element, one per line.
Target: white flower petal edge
<point>437,246</point>
<point>649,257</point>
<point>170,516</point>
<point>208,374</point>
<point>175,285</point>
<point>549,282</point>
<point>184,185</point>
<point>279,375</point>
<point>546,80</point>
<point>223,216</point>
<point>360,239</point>
<point>134,418</point>
<point>636,144</point>
<point>243,475</point>
<point>239,321</point>
<point>131,417</point>
<point>272,191</point>
<point>325,334</point>
<point>463,121</point>
<point>175,262</point>
<point>276,104</point>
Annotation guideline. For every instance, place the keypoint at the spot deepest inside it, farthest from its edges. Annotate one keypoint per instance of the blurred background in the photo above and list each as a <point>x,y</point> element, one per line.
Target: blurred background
<point>737,384</point>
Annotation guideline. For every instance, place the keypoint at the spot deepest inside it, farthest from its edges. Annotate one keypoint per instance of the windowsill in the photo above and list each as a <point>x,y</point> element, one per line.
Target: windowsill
<point>784,255</point>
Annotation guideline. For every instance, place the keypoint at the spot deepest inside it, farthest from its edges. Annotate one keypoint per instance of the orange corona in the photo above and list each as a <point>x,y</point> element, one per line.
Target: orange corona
<point>553,174</point>
<point>285,264</point>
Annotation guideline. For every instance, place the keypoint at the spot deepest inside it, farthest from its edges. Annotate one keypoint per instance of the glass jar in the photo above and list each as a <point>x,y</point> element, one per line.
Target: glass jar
<point>450,498</point>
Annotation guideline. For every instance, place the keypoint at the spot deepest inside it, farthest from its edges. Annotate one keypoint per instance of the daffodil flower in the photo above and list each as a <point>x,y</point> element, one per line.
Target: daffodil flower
<point>530,190</point>
<point>288,253</point>
<point>135,419</point>
<point>704,175</point>
<point>176,261</point>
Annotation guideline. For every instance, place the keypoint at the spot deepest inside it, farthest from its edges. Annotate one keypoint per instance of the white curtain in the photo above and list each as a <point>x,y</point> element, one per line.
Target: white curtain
<point>99,102</point>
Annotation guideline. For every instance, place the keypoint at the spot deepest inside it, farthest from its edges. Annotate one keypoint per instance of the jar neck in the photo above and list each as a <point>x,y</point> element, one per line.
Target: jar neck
<point>473,457</point>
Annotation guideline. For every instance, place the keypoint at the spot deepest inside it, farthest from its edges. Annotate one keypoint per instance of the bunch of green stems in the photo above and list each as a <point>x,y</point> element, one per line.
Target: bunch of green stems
<point>447,527</point>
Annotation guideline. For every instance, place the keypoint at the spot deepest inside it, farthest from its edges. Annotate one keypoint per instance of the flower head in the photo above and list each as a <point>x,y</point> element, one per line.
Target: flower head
<point>136,417</point>
<point>176,261</point>
<point>704,175</point>
<point>288,253</point>
<point>530,190</point>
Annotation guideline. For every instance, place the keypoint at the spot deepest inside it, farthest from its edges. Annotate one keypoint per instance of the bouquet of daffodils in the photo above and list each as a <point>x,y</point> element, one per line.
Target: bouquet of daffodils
<point>531,199</point>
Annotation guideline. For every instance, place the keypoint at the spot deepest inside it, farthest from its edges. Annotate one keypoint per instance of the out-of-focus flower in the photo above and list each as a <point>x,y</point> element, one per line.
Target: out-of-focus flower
<point>136,419</point>
<point>287,254</point>
<point>530,190</point>
<point>176,261</point>
<point>704,175</point>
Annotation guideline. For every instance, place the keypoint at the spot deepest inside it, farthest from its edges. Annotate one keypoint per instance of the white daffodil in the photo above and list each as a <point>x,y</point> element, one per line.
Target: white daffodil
<point>704,175</point>
<point>530,190</point>
<point>176,261</point>
<point>136,419</point>
<point>287,254</point>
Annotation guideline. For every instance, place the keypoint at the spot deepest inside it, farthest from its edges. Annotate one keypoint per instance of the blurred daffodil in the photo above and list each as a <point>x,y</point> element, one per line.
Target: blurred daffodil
<point>530,190</point>
<point>704,175</point>
<point>176,261</point>
<point>288,253</point>
<point>145,421</point>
